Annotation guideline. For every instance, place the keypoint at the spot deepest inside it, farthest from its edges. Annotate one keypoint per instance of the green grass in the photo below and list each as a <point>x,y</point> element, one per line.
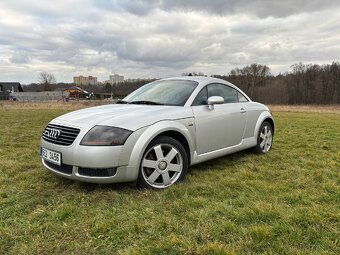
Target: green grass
<point>286,202</point>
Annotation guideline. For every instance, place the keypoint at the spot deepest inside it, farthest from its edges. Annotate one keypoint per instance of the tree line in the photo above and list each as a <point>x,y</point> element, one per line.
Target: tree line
<point>301,84</point>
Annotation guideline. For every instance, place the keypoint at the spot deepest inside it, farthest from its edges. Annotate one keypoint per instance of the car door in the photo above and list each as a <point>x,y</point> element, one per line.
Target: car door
<point>220,127</point>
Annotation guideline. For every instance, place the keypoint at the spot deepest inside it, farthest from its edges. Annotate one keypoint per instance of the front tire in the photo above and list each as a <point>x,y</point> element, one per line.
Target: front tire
<point>164,163</point>
<point>264,138</point>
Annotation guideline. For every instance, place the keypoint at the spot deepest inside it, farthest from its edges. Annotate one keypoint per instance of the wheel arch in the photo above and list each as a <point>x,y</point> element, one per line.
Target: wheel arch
<point>264,116</point>
<point>173,129</point>
<point>271,122</point>
<point>178,136</point>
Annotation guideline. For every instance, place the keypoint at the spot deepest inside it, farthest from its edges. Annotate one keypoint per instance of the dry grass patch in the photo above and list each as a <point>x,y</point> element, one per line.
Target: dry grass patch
<point>306,108</point>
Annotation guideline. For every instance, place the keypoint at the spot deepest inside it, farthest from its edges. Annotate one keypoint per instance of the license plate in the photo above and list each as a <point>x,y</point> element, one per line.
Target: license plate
<point>52,156</point>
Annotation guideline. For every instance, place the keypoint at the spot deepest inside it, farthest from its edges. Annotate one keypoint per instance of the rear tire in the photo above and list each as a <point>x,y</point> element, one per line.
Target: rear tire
<point>164,163</point>
<point>264,138</point>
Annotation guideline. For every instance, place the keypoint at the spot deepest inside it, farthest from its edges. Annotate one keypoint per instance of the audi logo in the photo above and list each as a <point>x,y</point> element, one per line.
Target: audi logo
<point>52,133</point>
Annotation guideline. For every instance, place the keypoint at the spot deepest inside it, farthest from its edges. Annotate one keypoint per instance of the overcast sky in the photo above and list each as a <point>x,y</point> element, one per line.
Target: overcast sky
<point>155,38</point>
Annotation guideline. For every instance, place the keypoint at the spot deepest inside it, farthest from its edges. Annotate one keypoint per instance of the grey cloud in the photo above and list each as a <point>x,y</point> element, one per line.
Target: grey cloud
<point>139,7</point>
<point>160,52</point>
<point>20,57</point>
<point>162,38</point>
<point>260,8</point>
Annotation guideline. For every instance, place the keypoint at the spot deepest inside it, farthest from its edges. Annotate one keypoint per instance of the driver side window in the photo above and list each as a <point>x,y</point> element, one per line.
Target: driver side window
<point>229,94</point>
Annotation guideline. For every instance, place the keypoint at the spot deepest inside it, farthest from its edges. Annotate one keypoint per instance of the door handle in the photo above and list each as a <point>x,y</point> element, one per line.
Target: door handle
<point>243,110</point>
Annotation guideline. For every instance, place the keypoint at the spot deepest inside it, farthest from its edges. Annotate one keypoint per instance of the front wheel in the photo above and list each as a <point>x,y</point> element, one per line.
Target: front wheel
<point>164,163</point>
<point>264,138</point>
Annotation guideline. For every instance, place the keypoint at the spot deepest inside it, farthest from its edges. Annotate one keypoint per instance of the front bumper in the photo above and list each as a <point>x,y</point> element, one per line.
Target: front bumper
<point>120,174</point>
<point>96,164</point>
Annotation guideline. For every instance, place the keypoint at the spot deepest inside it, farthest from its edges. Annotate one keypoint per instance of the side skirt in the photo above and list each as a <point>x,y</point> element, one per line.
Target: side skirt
<point>245,144</point>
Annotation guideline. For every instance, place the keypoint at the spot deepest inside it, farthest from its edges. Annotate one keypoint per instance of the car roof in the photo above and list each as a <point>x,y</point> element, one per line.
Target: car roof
<point>199,79</point>
<point>203,80</point>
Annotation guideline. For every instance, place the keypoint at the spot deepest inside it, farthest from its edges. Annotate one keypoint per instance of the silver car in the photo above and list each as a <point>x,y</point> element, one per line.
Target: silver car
<point>154,134</point>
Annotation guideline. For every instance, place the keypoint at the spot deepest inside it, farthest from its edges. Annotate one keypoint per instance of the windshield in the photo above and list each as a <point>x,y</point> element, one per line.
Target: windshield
<point>163,92</point>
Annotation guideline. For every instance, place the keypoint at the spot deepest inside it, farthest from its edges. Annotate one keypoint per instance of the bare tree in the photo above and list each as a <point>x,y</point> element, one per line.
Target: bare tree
<point>108,88</point>
<point>252,76</point>
<point>46,79</point>
<point>258,74</point>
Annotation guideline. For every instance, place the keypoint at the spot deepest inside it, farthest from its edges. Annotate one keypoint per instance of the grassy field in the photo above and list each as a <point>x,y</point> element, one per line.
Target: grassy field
<point>286,202</point>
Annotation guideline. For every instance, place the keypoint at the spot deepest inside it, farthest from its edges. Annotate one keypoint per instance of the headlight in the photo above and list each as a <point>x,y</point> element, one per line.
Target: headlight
<point>105,136</point>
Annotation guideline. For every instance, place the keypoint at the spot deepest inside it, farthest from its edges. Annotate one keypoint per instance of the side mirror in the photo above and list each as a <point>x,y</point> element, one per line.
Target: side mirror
<point>215,100</point>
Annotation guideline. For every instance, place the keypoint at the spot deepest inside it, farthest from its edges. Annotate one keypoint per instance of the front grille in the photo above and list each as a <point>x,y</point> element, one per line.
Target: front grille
<point>66,169</point>
<point>97,172</point>
<point>66,137</point>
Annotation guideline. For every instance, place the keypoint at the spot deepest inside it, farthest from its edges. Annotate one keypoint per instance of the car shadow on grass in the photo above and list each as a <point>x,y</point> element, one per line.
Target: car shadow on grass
<point>92,187</point>
<point>217,163</point>
<point>225,161</point>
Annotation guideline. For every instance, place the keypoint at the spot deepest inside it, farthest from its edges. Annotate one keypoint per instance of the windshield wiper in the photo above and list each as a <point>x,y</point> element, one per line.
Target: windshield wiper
<point>122,102</point>
<point>145,102</point>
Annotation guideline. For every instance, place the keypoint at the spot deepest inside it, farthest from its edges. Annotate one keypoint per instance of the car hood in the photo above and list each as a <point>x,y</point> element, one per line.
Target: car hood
<point>131,117</point>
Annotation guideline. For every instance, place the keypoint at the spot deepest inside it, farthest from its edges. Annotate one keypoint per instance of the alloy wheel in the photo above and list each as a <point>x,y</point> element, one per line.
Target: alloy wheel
<point>266,139</point>
<point>162,165</point>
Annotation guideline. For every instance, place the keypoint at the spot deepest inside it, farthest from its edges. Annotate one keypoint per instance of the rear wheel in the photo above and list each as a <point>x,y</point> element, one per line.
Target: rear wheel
<point>164,163</point>
<point>264,138</point>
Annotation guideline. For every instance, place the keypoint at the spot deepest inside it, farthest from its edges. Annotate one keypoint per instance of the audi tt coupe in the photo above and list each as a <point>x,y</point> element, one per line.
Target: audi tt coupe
<point>154,134</point>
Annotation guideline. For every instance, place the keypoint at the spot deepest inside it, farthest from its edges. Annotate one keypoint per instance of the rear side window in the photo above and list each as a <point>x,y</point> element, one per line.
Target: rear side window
<point>241,98</point>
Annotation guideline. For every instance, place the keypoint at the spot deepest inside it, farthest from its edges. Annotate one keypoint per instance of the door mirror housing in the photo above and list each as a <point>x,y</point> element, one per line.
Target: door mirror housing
<point>215,100</point>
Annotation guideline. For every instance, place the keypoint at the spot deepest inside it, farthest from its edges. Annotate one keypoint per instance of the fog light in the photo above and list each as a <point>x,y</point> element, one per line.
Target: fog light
<point>97,172</point>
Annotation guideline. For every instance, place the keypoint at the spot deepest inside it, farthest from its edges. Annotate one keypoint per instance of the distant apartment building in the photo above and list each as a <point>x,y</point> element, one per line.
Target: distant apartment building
<point>82,80</point>
<point>114,79</point>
